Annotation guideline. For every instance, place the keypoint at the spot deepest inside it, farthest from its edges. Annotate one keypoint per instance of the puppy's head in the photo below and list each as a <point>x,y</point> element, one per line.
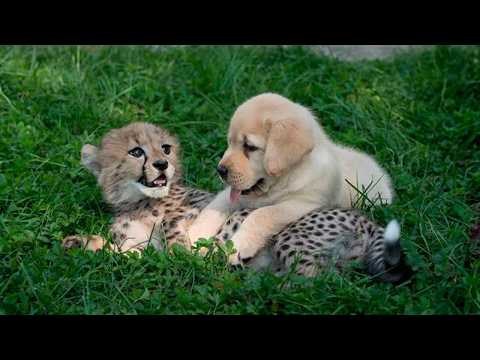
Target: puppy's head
<point>134,162</point>
<point>268,135</point>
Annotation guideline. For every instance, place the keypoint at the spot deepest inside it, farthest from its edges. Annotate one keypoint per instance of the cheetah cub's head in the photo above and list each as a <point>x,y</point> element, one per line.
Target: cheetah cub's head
<point>137,161</point>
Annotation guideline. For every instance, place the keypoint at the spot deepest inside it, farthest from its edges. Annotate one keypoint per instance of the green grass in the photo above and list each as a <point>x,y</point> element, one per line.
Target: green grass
<point>419,114</point>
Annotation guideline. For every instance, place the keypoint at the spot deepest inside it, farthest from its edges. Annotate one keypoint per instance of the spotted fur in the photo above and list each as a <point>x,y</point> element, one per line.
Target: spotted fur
<point>144,215</point>
<point>320,238</point>
<point>330,237</point>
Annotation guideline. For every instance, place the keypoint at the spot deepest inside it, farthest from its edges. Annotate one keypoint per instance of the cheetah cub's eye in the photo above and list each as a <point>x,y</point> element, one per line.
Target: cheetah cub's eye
<point>136,152</point>
<point>166,148</point>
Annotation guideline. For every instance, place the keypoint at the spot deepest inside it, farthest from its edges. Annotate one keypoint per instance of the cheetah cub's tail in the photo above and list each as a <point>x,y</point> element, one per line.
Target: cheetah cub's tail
<point>389,263</point>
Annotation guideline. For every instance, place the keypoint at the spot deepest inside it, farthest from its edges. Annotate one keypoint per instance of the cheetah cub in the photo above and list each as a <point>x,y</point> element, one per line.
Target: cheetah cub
<point>139,172</point>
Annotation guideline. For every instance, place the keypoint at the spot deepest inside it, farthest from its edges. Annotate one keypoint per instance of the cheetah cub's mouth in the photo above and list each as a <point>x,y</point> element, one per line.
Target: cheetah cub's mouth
<point>158,182</point>
<point>157,188</point>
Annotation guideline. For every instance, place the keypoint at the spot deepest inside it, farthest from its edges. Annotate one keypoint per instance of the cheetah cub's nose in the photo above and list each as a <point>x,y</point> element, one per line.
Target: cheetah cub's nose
<point>160,164</point>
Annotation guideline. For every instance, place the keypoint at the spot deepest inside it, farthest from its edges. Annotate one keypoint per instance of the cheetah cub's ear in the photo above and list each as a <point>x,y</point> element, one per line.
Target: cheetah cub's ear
<point>89,159</point>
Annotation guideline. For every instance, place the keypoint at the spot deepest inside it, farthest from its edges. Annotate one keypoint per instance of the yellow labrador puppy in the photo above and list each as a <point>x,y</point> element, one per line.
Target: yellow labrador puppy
<point>280,162</point>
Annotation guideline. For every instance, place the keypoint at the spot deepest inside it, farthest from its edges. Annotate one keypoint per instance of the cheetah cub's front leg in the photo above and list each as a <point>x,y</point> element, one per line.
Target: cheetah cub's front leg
<point>127,236</point>
<point>133,235</point>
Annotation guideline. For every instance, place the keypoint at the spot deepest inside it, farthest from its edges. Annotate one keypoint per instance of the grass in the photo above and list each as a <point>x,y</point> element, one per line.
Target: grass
<point>419,114</point>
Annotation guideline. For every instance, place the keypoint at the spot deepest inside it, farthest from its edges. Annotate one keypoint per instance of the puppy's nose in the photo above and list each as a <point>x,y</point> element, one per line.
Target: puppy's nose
<point>160,164</point>
<point>223,171</point>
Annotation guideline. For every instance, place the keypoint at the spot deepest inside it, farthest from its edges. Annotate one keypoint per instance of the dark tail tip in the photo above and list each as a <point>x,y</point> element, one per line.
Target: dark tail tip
<point>397,273</point>
<point>395,269</point>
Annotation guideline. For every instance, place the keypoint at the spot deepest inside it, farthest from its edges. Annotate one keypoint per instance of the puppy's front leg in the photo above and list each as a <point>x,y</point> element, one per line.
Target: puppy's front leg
<point>210,219</point>
<point>262,224</point>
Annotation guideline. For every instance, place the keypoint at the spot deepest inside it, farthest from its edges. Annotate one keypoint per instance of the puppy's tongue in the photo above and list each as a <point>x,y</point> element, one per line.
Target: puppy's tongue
<point>234,195</point>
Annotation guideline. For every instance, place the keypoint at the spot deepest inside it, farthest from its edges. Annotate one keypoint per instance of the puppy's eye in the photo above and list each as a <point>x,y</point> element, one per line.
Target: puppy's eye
<point>136,152</point>
<point>249,148</point>
<point>166,148</point>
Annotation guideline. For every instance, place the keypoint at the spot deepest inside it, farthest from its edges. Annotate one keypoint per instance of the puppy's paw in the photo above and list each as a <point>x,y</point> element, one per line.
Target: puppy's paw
<point>237,260</point>
<point>245,251</point>
<point>234,259</point>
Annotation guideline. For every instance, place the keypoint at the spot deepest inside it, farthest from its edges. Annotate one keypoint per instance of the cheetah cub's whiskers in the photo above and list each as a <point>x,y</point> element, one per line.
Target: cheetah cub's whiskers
<point>139,172</point>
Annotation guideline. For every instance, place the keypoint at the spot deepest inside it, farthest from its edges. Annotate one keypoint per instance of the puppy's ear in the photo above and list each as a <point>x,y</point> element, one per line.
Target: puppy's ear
<point>289,140</point>
<point>90,159</point>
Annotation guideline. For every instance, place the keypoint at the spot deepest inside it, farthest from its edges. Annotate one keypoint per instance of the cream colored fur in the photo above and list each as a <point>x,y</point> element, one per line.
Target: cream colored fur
<point>302,170</point>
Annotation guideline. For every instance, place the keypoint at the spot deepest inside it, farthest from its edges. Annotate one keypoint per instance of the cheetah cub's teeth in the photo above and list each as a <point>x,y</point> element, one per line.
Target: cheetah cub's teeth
<point>153,192</point>
<point>160,182</point>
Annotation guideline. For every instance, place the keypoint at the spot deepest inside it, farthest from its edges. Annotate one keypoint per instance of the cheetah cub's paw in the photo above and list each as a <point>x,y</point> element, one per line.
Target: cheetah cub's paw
<point>73,242</point>
<point>91,242</point>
